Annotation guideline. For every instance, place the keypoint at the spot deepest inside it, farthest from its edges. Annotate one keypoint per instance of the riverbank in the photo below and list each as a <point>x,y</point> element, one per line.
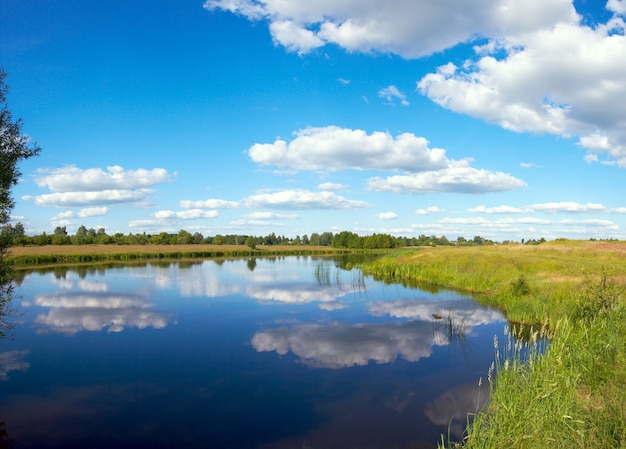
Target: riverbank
<point>573,395</point>
<point>38,256</point>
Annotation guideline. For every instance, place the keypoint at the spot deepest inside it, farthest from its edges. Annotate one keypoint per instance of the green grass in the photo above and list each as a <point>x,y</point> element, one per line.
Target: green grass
<point>568,393</point>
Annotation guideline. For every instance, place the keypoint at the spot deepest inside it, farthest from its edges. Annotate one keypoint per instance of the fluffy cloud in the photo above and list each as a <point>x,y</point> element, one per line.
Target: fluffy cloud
<point>72,186</point>
<point>93,212</point>
<point>387,216</point>
<point>429,210</point>
<point>70,199</point>
<point>74,179</point>
<point>564,79</point>
<point>410,28</point>
<point>301,199</point>
<point>332,186</point>
<point>459,177</point>
<point>333,148</point>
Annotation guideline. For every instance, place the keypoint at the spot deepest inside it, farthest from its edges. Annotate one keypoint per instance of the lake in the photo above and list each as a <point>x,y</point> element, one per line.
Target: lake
<point>268,353</point>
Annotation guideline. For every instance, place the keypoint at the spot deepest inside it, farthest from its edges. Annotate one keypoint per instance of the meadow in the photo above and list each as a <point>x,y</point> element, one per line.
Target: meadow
<point>559,379</point>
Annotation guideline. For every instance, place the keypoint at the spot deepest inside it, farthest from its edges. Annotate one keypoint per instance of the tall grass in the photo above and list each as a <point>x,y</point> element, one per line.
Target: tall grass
<point>570,393</point>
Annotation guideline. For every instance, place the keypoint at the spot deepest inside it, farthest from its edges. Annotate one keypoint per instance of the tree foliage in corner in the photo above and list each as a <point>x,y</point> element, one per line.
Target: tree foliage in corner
<point>14,147</point>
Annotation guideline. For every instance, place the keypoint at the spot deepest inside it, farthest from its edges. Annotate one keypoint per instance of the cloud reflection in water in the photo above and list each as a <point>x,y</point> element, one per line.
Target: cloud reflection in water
<point>343,345</point>
<point>12,361</point>
<point>72,312</point>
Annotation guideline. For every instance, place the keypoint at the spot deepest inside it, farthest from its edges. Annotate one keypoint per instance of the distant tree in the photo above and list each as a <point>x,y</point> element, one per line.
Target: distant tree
<point>251,242</point>
<point>14,148</point>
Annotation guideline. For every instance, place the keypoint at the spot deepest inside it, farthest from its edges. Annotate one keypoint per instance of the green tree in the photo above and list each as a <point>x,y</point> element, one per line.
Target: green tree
<point>251,242</point>
<point>14,148</point>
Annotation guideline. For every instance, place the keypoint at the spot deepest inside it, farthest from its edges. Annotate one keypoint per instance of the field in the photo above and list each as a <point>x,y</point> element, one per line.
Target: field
<point>559,379</point>
<point>29,256</point>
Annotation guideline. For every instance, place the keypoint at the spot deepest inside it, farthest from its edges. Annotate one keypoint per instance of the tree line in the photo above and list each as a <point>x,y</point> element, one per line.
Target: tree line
<point>15,235</point>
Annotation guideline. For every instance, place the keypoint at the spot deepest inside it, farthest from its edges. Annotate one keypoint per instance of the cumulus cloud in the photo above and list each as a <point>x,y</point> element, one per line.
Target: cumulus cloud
<point>459,177</point>
<point>410,28</point>
<point>391,94</point>
<point>74,179</point>
<point>387,216</point>
<point>93,212</point>
<point>332,186</point>
<point>429,170</point>
<point>73,186</point>
<point>563,79</point>
<point>301,199</point>
<point>429,210</point>
<point>70,199</point>
<point>333,148</point>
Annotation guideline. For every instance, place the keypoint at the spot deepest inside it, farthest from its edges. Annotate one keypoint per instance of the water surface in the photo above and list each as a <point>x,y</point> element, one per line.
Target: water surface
<point>260,353</point>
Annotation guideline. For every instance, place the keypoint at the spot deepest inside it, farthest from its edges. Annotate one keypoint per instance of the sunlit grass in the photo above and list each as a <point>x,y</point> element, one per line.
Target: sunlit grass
<point>568,394</point>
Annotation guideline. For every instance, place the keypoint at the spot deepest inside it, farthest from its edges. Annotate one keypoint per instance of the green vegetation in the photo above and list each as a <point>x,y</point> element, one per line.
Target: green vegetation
<point>570,393</point>
<point>15,235</point>
<point>14,147</point>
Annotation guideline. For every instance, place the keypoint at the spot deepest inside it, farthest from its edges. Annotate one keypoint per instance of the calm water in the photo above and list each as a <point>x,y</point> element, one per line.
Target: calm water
<point>289,352</point>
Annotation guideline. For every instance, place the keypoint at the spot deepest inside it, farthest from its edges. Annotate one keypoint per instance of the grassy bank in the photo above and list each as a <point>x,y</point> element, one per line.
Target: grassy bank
<point>31,256</point>
<point>573,395</point>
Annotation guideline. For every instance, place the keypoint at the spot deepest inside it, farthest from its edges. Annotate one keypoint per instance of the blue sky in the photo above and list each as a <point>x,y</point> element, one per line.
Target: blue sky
<point>499,118</point>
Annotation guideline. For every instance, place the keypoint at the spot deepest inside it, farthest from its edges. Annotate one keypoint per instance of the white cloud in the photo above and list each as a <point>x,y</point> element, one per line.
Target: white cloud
<point>495,210</point>
<point>387,216</point>
<point>391,94</point>
<point>93,212</point>
<point>333,148</point>
<point>69,199</point>
<point>271,216</point>
<point>294,37</point>
<point>72,186</point>
<point>301,199</point>
<point>429,210</point>
<point>528,165</point>
<point>74,179</point>
<point>410,28</point>
<point>617,6</point>
<point>210,203</point>
<point>331,186</point>
<point>458,178</point>
<point>567,207</point>
<point>191,214</point>
<point>563,79</point>
<point>63,215</point>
